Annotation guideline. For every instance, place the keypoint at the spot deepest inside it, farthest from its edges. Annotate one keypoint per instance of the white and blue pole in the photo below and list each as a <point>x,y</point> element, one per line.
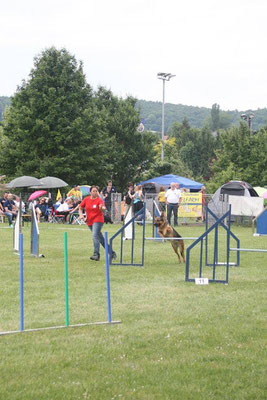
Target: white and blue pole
<point>21,282</point>
<point>107,276</point>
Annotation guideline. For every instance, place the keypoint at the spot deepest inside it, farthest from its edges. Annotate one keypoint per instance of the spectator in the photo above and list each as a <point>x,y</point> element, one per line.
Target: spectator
<point>138,201</point>
<point>17,202</point>
<point>128,197</point>
<point>161,198</point>
<point>94,207</point>
<point>1,210</point>
<point>41,209</point>
<point>3,199</point>
<point>106,194</point>
<point>65,208</point>
<point>75,193</point>
<point>10,209</point>
<point>172,199</point>
<point>58,203</point>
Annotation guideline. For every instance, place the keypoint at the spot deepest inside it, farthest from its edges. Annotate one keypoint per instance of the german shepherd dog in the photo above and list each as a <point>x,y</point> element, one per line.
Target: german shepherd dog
<point>165,230</point>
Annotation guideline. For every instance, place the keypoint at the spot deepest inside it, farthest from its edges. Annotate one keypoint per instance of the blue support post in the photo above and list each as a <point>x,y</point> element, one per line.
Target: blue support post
<point>120,232</point>
<point>121,252</point>
<point>132,244</point>
<point>107,276</point>
<point>201,255</point>
<point>144,228</point>
<point>21,282</point>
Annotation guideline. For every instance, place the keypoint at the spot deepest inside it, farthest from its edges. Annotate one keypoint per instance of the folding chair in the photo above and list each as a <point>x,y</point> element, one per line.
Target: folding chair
<point>56,218</point>
<point>75,220</point>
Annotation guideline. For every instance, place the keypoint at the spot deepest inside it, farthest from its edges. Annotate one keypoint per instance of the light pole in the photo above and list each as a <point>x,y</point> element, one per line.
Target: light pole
<point>248,118</point>
<point>165,77</point>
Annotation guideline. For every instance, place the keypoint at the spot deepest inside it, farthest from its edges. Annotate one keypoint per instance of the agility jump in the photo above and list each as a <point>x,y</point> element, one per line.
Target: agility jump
<point>67,324</point>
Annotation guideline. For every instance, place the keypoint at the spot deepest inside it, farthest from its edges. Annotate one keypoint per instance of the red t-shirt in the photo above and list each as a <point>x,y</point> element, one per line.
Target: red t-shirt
<point>93,212</point>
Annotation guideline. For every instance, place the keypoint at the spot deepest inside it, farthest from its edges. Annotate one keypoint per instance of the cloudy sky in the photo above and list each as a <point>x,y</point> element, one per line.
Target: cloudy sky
<point>216,48</point>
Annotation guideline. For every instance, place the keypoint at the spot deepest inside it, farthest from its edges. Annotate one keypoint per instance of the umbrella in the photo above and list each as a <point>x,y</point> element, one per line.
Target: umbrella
<point>51,182</point>
<point>264,195</point>
<point>24,181</point>
<point>36,194</point>
<point>85,189</point>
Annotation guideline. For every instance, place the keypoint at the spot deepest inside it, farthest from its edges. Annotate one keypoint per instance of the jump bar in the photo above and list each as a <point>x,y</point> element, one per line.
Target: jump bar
<point>173,238</point>
<point>60,327</point>
<point>255,250</point>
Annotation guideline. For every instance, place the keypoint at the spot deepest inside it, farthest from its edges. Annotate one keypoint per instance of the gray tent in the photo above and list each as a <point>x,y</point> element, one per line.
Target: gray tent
<point>219,201</point>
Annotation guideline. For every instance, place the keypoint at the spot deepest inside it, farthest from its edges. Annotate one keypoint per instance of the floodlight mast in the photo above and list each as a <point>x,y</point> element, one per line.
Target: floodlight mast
<point>248,118</point>
<point>164,77</point>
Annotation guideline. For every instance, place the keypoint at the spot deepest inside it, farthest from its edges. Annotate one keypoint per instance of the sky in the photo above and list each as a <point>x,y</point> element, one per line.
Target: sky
<point>215,48</point>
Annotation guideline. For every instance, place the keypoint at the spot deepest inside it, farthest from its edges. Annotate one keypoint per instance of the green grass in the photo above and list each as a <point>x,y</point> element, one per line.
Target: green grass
<point>177,340</point>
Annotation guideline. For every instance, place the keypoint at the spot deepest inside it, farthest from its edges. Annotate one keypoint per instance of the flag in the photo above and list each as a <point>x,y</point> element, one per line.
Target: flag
<point>58,194</point>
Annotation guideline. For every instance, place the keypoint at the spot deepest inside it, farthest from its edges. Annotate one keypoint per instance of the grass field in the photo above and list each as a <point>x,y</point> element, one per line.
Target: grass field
<point>176,340</point>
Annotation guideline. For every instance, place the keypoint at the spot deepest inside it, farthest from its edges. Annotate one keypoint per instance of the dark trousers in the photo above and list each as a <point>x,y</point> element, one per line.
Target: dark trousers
<point>162,206</point>
<point>172,208</point>
<point>108,205</point>
<point>137,207</point>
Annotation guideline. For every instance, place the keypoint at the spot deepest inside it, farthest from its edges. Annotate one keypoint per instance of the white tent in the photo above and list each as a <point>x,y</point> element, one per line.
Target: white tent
<point>243,199</point>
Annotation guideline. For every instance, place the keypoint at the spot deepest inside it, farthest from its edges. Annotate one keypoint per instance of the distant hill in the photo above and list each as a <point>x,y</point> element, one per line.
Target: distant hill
<point>4,102</point>
<point>151,112</point>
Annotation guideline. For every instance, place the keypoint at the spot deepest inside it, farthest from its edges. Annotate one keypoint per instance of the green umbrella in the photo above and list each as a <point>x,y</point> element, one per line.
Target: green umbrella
<point>85,189</point>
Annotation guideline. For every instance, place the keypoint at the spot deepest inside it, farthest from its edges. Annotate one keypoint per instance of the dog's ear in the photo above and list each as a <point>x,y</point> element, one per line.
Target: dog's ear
<point>163,214</point>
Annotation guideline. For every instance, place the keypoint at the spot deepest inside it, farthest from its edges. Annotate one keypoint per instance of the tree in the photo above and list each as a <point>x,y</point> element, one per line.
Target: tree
<point>56,125</point>
<point>242,157</point>
<point>215,117</point>
<point>195,148</point>
<point>131,152</point>
<point>172,163</point>
<point>44,127</point>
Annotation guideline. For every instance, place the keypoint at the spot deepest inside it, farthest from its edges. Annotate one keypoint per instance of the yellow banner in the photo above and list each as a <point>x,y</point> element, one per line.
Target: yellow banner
<point>191,205</point>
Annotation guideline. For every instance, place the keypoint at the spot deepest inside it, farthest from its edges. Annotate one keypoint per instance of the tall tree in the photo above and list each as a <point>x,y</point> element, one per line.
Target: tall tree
<point>52,127</point>
<point>215,117</point>
<point>242,157</point>
<point>56,125</point>
<point>130,152</point>
<point>195,148</point>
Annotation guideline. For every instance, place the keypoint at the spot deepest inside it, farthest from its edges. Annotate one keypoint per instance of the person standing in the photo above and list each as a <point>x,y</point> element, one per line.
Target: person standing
<point>106,194</point>
<point>94,207</point>
<point>75,193</point>
<point>172,199</point>
<point>161,199</point>
<point>128,197</point>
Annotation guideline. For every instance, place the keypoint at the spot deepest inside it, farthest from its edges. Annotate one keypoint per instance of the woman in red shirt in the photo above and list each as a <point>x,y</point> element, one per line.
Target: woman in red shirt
<point>94,207</point>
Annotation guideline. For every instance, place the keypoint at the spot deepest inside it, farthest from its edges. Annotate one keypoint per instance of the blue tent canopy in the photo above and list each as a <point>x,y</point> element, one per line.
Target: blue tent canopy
<point>166,180</point>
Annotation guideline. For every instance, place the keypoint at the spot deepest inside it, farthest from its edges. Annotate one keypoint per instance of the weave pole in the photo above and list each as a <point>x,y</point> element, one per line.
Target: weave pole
<point>21,282</point>
<point>66,278</point>
<point>110,322</point>
<point>107,276</point>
